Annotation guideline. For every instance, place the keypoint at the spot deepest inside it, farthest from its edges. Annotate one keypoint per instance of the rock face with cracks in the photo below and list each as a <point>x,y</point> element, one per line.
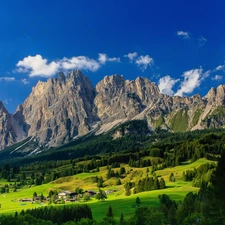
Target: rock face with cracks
<point>65,107</point>
<point>60,109</point>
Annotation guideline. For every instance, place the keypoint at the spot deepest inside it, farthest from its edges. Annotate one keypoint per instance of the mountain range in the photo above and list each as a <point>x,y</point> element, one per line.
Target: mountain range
<point>61,109</point>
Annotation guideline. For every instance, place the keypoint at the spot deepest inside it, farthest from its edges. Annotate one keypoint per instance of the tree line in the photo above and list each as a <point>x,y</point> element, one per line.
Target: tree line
<point>207,207</point>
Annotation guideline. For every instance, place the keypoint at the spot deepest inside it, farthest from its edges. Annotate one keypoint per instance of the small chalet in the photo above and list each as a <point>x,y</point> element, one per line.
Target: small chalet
<point>63,194</point>
<point>73,195</point>
<point>90,192</point>
<point>40,198</point>
<point>25,200</point>
<point>67,194</point>
<point>37,198</point>
<point>110,191</point>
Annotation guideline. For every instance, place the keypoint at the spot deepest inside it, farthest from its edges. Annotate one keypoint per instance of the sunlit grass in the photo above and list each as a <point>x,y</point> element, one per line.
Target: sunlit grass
<point>118,201</point>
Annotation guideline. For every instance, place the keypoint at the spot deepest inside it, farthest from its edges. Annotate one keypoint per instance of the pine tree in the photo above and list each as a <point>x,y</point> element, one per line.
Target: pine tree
<point>42,197</point>
<point>34,195</point>
<point>162,183</point>
<point>121,218</point>
<point>110,212</point>
<point>156,183</point>
<point>127,191</point>
<point>122,170</point>
<point>214,205</point>
<point>100,182</point>
<point>172,178</point>
<point>138,201</point>
<point>101,195</point>
<point>118,182</point>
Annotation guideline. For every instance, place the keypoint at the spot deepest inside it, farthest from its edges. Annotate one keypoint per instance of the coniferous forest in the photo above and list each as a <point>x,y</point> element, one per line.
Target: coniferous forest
<point>155,152</point>
<point>205,207</point>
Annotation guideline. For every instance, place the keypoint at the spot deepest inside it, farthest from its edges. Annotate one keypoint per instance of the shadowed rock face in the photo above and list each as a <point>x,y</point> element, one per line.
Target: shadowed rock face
<point>6,132</point>
<point>12,127</point>
<point>60,109</point>
<point>123,99</point>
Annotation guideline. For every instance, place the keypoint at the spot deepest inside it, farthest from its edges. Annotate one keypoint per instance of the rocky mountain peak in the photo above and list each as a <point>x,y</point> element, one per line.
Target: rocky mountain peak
<point>113,85</point>
<point>216,96</point>
<point>221,92</point>
<point>77,79</point>
<point>7,133</point>
<point>146,88</point>
<point>114,79</point>
<point>2,108</point>
<point>118,99</point>
<point>211,94</point>
<point>60,109</point>
<point>76,75</point>
<point>61,77</point>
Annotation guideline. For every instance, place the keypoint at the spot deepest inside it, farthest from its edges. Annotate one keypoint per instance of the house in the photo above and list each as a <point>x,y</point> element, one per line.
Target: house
<point>63,194</point>
<point>25,200</point>
<point>67,194</point>
<point>90,192</point>
<point>73,195</point>
<point>37,198</point>
<point>110,191</point>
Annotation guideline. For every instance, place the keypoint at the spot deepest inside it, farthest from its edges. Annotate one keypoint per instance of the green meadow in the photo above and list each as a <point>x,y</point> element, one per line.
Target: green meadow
<point>117,200</point>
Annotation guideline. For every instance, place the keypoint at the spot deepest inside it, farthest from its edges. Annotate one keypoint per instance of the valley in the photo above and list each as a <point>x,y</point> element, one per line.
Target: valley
<point>111,171</point>
<point>126,168</point>
<point>112,112</point>
<point>117,200</point>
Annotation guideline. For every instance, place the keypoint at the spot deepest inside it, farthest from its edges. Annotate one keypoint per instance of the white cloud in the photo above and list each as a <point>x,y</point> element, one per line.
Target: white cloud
<point>7,78</point>
<point>183,34</point>
<point>131,56</point>
<point>24,81</point>
<point>220,67</point>
<point>166,84</point>
<point>192,80</point>
<point>21,70</point>
<point>202,41</point>
<point>217,77</point>
<point>79,62</point>
<point>114,59</point>
<point>37,66</point>
<point>103,58</point>
<point>144,61</point>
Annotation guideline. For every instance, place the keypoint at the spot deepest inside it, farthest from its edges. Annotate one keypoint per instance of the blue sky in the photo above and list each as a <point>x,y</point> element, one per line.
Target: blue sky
<point>179,45</point>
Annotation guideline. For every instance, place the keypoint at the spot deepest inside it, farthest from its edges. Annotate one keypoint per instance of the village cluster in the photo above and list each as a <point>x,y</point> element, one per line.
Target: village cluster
<point>68,196</point>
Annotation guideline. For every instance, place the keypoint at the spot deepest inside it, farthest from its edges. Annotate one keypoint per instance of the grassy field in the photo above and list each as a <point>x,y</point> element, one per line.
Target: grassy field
<point>117,200</point>
<point>126,205</point>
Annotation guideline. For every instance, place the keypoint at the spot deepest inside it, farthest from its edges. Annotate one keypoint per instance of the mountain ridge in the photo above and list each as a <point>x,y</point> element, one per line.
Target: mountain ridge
<point>66,107</point>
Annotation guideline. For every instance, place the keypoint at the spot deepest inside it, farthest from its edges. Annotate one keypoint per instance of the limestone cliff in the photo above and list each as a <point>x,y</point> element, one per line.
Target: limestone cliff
<point>12,128</point>
<point>123,99</point>
<point>63,108</point>
<point>60,109</point>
